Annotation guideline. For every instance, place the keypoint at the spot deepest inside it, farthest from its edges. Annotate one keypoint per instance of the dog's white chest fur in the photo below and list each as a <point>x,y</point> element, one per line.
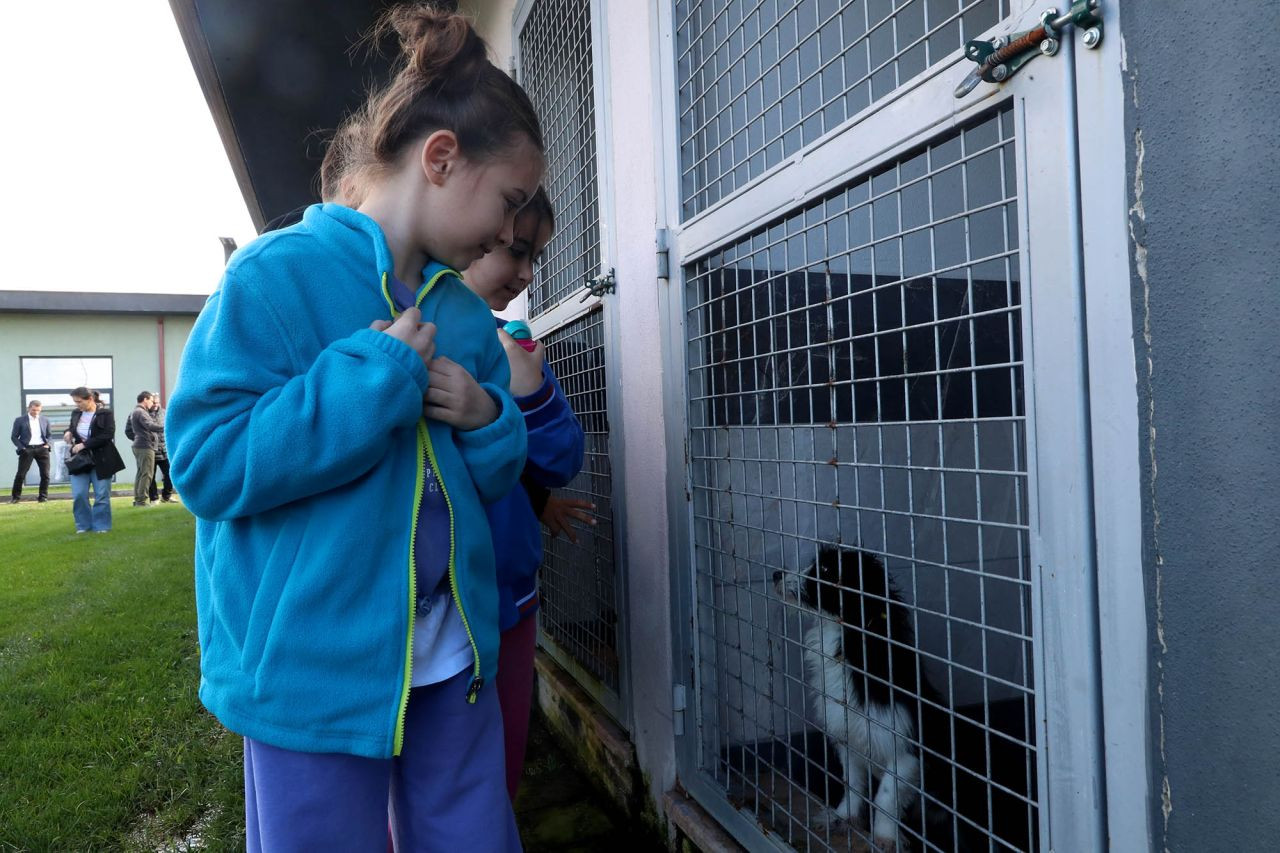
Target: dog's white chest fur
<point>870,729</point>
<point>862,732</point>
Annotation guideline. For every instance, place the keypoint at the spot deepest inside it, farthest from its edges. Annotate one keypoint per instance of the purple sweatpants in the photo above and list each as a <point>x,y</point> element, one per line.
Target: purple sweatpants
<point>446,791</point>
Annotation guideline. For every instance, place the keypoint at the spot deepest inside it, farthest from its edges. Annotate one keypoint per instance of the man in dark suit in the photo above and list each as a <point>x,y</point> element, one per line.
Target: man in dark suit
<point>30,436</point>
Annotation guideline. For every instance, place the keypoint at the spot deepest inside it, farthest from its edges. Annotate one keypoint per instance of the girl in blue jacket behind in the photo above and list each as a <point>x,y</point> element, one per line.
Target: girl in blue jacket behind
<point>555,457</point>
<point>341,417</point>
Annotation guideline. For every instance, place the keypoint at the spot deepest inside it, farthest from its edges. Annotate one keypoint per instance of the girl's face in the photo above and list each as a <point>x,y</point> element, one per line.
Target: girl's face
<point>504,274</point>
<point>473,206</point>
<point>84,404</point>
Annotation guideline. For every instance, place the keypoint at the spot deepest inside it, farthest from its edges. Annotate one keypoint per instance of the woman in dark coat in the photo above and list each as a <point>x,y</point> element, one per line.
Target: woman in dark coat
<point>93,427</point>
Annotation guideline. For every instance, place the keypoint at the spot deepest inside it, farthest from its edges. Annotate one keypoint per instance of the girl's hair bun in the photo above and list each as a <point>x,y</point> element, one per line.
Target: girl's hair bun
<point>444,81</point>
<point>439,47</point>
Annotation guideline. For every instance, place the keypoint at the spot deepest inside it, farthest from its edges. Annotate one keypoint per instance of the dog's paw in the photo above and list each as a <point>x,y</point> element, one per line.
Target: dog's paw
<point>885,845</point>
<point>828,819</point>
<point>848,812</point>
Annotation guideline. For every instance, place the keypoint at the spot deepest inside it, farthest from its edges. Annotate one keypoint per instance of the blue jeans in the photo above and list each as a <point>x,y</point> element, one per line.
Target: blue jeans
<point>99,517</point>
<point>446,791</point>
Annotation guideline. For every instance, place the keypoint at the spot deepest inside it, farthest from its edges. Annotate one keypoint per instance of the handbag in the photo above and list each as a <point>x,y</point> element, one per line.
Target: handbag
<point>80,463</point>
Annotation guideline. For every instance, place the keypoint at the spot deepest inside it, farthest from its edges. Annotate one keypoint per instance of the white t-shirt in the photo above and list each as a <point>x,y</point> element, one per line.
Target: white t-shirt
<point>36,439</point>
<point>441,648</point>
<point>82,428</point>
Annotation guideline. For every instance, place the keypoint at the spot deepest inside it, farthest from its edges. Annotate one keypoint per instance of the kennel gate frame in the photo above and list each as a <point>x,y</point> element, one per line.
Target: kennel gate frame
<point>573,307</point>
<point>1089,419</point>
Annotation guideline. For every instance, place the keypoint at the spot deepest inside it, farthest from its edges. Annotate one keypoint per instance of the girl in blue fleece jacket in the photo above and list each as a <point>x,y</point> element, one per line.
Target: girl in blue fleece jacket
<point>341,416</point>
<point>555,457</point>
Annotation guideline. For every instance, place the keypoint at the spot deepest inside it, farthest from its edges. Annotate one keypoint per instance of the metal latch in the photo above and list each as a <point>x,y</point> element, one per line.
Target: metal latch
<point>599,286</point>
<point>677,709</point>
<point>1000,58</point>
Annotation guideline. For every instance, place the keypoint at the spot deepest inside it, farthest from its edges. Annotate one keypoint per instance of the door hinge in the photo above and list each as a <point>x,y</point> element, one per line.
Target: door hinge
<point>599,286</point>
<point>1000,58</point>
<point>664,253</point>
<point>677,708</point>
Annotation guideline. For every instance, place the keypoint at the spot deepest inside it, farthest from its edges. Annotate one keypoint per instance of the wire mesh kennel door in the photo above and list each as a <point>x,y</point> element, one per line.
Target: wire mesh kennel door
<point>581,616</point>
<point>888,640</point>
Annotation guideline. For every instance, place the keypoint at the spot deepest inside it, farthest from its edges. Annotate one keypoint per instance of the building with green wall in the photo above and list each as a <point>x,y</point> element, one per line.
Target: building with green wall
<point>118,343</point>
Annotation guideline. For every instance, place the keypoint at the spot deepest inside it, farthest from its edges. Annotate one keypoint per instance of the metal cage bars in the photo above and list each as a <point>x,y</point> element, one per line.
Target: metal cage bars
<point>557,71</point>
<point>884,297</point>
<point>761,79</point>
<point>581,610</point>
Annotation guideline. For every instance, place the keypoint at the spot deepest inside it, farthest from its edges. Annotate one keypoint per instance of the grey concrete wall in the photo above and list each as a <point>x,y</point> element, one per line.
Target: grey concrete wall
<point>1203,113</point>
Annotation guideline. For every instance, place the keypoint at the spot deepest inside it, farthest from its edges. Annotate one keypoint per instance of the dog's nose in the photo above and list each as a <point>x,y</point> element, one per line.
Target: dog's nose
<point>777,576</point>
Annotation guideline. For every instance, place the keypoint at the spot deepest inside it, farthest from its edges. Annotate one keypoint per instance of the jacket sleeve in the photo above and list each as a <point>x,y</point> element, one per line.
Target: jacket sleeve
<point>555,436</point>
<point>249,431</point>
<point>494,454</point>
<point>102,431</point>
<point>15,434</point>
<point>145,421</point>
<point>44,429</point>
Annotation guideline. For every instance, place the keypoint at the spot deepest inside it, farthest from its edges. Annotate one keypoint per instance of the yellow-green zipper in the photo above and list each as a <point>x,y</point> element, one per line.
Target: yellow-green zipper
<point>413,600</point>
<point>473,689</point>
<point>424,443</point>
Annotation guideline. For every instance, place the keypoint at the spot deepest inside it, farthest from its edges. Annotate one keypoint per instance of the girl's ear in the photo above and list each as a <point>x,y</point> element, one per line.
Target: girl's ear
<point>440,155</point>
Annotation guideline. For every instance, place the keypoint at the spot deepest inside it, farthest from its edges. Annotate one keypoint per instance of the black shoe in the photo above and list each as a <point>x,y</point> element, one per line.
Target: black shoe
<point>42,500</point>
<point>15,500</point>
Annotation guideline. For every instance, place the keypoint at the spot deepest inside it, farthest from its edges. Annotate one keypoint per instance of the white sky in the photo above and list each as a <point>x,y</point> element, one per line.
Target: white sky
<point>116,179</point>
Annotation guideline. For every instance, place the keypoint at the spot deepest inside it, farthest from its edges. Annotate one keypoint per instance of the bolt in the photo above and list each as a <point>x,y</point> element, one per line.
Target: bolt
<point>1092,37</point>
<point>1049,47</point>
<point>1047,17</point>
<point>1093,4</point>
<point>1000,73</point>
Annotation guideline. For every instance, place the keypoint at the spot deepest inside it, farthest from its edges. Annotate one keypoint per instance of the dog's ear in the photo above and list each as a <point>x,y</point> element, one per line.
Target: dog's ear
<point>872,575</point>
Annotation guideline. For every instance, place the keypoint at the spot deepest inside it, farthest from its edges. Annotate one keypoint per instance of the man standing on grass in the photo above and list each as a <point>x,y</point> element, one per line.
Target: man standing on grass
<point>146,436</point>
<point>162,456</point>
<point>30,435</point>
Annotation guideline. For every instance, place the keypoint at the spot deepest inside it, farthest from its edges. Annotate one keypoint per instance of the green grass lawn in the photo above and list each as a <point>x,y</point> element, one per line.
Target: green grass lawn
<point>103,742</point>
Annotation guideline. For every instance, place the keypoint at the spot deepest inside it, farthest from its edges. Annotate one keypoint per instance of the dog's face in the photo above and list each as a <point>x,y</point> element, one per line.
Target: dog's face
<point>843,583</point>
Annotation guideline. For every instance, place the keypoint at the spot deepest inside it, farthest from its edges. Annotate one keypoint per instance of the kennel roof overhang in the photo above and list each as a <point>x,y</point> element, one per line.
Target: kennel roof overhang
<point>277,75</point>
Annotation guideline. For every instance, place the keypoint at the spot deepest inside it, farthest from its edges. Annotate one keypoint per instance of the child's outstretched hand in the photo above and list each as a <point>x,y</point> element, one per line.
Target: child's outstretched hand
<point>455,398</point>
<point>558,512</point>
<point>409,328</point>
<point>526,365</point>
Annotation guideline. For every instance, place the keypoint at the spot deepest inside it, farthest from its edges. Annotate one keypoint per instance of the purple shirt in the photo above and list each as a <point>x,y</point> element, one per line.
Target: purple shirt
<point>431,539</point>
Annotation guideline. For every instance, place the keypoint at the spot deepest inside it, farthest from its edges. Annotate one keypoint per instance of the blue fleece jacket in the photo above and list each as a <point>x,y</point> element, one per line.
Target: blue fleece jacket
<point>555,457</point>
<point>296,437</point>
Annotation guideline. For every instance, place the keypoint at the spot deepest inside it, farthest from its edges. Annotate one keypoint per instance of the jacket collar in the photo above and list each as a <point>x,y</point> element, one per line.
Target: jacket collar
<point>352,232</point>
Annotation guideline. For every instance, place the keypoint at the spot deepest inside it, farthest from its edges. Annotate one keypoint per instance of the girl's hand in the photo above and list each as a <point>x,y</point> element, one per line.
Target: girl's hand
<point>526,365</point>
<point>66,436</point>
<point>455,398</point>
<point>409,329</point>
<point>76,448</point>
<point>560,511</point>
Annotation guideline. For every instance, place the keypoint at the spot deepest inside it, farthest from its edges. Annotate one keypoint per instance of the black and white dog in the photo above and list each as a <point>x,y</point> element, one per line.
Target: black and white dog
<point>863,671</point>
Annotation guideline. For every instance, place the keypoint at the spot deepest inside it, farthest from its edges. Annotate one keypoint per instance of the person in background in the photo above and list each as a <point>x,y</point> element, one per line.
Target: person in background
<point>555,457</point>
<point>146,434</point>
<point>93,428</point>
<point>30,437</point>
<point>162,456</point>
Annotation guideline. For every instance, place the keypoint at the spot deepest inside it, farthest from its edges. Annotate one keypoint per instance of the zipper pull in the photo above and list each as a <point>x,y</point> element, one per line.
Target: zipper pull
<point>473,689</point>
